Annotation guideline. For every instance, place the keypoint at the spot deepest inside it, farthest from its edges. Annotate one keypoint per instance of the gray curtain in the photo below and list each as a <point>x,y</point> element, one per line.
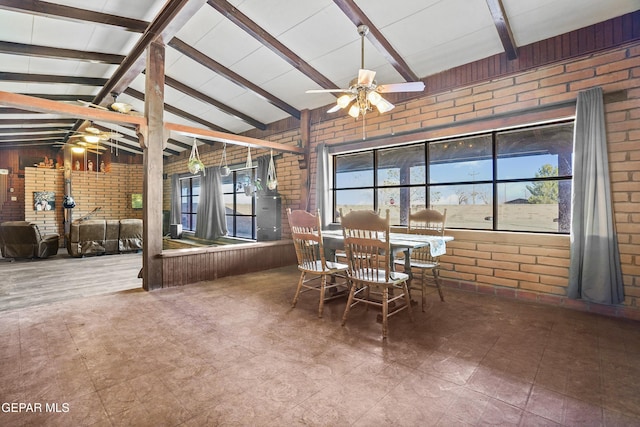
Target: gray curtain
<point>322,185</point>
<point>211,222</point>
<point>176,210</point>
<point>594,272</point>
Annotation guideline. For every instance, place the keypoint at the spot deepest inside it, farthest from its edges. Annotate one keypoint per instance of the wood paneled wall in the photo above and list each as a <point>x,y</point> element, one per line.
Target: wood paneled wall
<point>184,266</point>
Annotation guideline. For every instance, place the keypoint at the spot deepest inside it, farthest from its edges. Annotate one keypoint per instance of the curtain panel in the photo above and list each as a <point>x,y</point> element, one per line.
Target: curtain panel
<point>594,272</point>
<point>323,204</point>
<point>211,222</point>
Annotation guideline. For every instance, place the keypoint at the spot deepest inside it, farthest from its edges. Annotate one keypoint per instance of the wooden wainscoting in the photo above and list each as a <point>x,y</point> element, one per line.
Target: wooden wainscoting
<point>184,266</point>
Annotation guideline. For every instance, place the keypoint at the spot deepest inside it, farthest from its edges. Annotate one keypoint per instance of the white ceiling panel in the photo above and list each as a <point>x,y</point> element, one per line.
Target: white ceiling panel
<point>429,35</point>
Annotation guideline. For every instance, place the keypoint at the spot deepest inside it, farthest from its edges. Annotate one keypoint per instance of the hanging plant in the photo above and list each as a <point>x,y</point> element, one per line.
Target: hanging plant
<point>272,179</point>
<point>224,170</point>
<point>195,165</point>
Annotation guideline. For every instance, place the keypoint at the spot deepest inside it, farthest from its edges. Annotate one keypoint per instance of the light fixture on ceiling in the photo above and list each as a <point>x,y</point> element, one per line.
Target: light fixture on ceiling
<point>364,92</point>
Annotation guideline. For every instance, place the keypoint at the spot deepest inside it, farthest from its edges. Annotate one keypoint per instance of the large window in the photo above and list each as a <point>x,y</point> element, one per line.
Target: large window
<point>189,198</point>
<point>239,201</point>
<point>511,180</point>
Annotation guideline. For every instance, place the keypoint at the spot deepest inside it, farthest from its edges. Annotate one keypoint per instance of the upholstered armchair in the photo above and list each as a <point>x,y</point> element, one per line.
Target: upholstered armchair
<point>22,239</point>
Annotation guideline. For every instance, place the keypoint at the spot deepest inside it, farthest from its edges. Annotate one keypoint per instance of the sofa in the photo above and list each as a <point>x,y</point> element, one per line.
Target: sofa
<point>22,239</point>
<point>104,236</point>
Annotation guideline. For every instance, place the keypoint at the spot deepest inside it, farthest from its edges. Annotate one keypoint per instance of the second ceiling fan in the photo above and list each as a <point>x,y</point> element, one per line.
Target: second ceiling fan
<point>364,92</point>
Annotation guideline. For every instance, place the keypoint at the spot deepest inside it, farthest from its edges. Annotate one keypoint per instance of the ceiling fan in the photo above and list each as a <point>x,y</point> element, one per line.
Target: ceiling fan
<point>364,92</point>
<point>91,137</point>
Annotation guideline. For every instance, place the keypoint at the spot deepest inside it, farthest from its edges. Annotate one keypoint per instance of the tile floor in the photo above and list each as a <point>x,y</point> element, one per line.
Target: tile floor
<point>233,352</point>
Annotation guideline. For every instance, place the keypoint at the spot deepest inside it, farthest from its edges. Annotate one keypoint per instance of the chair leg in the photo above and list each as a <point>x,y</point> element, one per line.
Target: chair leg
<point>385,311</point>
<point>352,290</point>
<point>323,286</point>
<point>437,280</point>
<point>300,282</point>
<point>424,289</point>
<point>407,298</point>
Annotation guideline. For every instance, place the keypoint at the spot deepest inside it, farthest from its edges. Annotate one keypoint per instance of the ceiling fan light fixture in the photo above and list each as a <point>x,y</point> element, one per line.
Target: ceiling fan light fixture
<point>93,139</point>
<point>354,111</point>
<point>344,100</point>
<point>374,98</point>
<point>77,150</point>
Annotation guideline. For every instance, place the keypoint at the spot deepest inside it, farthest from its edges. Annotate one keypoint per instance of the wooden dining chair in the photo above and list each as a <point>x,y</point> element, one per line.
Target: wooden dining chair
<point>367,246</point>
<point>432,223</point>
<point>306,233</point>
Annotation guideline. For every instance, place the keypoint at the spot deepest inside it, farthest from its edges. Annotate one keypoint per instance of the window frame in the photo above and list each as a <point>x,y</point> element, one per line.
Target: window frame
<point>192,214</point>
<point>234,215</point>
<point>429,186</point>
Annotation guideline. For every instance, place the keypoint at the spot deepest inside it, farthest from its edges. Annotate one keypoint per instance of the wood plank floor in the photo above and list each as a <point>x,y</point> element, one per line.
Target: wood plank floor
<point>26,283</point>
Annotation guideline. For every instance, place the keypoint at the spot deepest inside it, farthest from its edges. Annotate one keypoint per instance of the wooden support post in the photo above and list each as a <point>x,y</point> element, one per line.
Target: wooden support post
<point>153,166</point>
<point>303,162</point>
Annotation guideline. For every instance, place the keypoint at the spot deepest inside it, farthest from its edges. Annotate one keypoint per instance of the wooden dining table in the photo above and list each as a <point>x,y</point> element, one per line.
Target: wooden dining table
<point>400,242</point>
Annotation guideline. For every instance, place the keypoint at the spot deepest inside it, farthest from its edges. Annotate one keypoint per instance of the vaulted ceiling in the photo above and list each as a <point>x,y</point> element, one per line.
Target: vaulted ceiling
<point>236,65</point>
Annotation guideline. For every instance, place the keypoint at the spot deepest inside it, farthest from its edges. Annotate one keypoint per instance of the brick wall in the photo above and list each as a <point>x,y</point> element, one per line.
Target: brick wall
<point>110,191</point>
<point>41,179</point>
<point>518,265</point>
<point>525,266</point>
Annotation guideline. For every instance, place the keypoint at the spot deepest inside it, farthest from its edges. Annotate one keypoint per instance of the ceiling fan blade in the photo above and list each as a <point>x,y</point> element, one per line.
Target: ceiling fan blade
<point>326,90</point>
<point>333,109</point>
<point>383,105</point>
<point>365,77</point>
<point>401,87</point>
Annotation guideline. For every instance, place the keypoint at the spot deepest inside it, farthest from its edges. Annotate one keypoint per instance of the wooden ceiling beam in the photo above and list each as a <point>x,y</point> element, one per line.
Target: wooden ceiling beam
<point>40,105</point>
<point>22,49</point>
<point>215,66</point>
<point>48,78</point>
<point>45,106</point>
<point>178,112</point>
<point>358,17</point>
<point>205,135</point>
<point>260,34</point>
<point>167,23</point>
<point>34,122</point>
<point>42,8</point>
<point>43,130</point>
<point>504,29</point>
<point>175,84</point>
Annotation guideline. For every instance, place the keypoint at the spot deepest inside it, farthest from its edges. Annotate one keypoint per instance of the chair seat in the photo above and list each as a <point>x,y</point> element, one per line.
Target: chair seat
<point>374,275</point>
<point>419,264</point>
<point>316,267</point>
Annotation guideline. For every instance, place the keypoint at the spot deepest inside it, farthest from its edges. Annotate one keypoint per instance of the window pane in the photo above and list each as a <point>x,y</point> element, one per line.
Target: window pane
<point>195,186</point>
<point>401,166</point>
<point>401,201</point>
<point>461,160</point>
<point>228,203</point>
<point>531,213</point>
<point>353,200</point>
<point>243,224</point>
<point>468,206</point>
<point>354,170</point>
<point>230,230</point>
<point>533,153</point>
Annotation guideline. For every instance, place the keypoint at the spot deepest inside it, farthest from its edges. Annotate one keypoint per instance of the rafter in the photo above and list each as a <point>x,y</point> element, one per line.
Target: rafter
<point>178,112</point>
<point>260,34</point>
<point>357,16</point>
<point>504,29</point>
<point>215,66</point>
<point>175,84</point>
<point>42,8</point>
<point>58,53</point>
